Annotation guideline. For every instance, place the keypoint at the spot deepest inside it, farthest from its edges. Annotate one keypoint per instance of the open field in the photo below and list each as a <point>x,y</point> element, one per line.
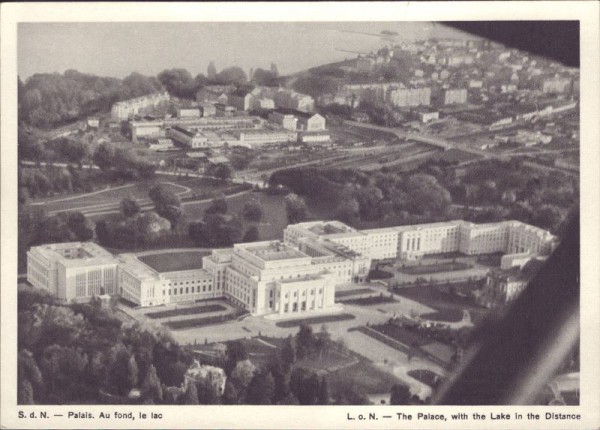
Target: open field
<point>173,261</point>
<point>446,315</point>
<point>200,322</point>
<point>315,320</point>
<point>186,311</point>
<point>369,301</point>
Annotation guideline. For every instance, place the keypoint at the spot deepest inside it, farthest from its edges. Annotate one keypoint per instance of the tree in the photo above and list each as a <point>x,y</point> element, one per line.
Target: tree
<point>167,203</point>
<point>296,209</point>
<point>400,395</point>
<point>252,210</point>
<point>151,387</point>
<point>179,82</point>
<point>348,211</point>
<point>288,351</point>
<point>207,392</point>
<point>305,341</point>
<point>236,351</point>
<point>103,156</point>
<point>243,373</point>
<point>132,371</point>
<point>130,207</point>
<point>304,384</point>
<point>232,75</point>
<point>427,194</point>
<point>231,395</point>
<point>220,171</point>
<point>217,206</point>
<point>323,396</point>
<point>261,389</point>
<point>80,226</point>
<point>190,396</point>
<point>29,148</point>
<point>25,393</point>
<point>251,235</point>
<point>211,71</point>
<point>264,78</point>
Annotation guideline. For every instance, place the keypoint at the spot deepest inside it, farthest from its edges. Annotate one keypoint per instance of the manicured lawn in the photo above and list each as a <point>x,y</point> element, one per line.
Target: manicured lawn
<point>315,320</point>
<point>434,268</point>
<point>447,315</point>
<point>426,376</point>
<point>200,322</point>
<point>331,360</point>
<point>367,301</point>
<point>400,334</point>
<point>380,274</point>
<point>173,261</point>
<point>112,195</point>
<point>186,311</point>
<point>346,293</point>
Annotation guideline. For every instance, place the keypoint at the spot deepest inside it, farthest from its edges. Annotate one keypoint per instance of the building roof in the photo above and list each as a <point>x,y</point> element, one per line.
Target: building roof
<point>296,113</point>
<point>273,251</point>
<point>76,254</point>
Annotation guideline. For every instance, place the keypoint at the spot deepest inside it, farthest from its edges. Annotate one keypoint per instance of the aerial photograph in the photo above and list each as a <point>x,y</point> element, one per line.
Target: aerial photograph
<point>295,213</point>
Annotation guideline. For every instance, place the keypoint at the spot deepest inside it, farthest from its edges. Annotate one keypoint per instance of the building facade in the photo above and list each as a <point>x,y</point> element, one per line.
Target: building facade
<point>126,109</point>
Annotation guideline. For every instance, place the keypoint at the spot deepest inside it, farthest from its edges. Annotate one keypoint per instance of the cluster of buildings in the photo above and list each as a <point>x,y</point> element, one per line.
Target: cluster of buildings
<point>295,275</point>
<point>464,80</point>
<point>126,109</point>
<point>198,132</point>
<point>220,118</point>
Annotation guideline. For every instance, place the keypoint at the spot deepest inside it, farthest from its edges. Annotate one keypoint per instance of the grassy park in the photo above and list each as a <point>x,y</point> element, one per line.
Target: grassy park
<point>186,311</point>
<point>315,320</point>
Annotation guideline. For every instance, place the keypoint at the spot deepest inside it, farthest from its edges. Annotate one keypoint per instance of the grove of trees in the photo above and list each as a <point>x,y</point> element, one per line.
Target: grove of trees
<point>53,99</point>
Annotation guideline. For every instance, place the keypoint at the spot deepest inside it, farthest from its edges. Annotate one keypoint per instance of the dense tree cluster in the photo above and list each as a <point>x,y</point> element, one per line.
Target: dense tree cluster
<point>498,190</point>
<point>487,191</point>
<point>122,164</point>
<point>166,203</point>
<point>52,99</point>
<point>295,208</point>
<point>37,228</point>
<point>132,231</point>
<point>216,230</point>
<point>220,229</point>
<point>360,196</point>
<point>45,181</point>
<point>81,353</point>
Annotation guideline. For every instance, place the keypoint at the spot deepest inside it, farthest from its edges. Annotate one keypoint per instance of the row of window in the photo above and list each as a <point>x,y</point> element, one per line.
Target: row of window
<point>173,291</point>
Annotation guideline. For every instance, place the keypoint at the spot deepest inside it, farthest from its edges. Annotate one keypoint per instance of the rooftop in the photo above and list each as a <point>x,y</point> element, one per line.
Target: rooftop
<point>273,251</point>
<point>76,253</point>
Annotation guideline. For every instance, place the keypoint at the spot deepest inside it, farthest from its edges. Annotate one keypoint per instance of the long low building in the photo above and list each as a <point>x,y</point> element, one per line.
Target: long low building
<point>298,274</point>
<point>81,270</point>
<point>415,241</point>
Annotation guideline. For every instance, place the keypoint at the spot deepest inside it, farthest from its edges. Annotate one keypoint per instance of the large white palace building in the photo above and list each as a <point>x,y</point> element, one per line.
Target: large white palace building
<point>296,275</point>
